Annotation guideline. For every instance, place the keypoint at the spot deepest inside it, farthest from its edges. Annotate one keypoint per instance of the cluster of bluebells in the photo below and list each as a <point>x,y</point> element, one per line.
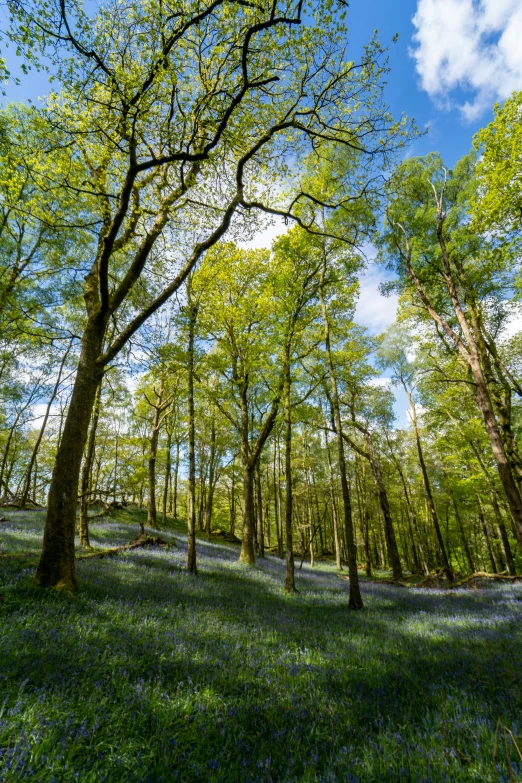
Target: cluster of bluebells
<point>150,674</point>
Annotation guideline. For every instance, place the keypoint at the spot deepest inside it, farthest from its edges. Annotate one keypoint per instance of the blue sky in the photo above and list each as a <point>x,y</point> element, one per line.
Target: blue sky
<point>454,59</point>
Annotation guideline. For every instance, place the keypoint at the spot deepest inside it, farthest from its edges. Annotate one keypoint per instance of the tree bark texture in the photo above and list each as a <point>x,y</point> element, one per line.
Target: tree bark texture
<point>191,486</point>
<point>56,567</point>
<point>85,484</point>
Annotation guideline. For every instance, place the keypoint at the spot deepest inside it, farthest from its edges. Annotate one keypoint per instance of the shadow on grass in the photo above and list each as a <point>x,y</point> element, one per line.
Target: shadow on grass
<point>152,674</point>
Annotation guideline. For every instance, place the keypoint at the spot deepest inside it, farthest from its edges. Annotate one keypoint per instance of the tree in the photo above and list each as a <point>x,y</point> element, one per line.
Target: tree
<point>393,354</point>
<point>36,257</point>
<point>238,314</point>
<point>447,271</point>
<point>295,288</point>
<point>173,139</point>
<point>498,201</point>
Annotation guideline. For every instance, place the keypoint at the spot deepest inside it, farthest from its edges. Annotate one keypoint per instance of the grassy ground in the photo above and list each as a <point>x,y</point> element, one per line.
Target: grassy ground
<point>149,674</point>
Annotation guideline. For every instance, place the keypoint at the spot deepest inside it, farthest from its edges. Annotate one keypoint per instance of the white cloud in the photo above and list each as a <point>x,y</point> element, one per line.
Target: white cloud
<point>471,45</point>
<point>266,235</point>
<point>38,414</point>
<point>374,310</point>
<point>514,324</point>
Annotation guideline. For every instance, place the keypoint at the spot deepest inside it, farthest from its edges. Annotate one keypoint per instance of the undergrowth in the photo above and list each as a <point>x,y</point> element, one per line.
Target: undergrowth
<point>149,674</point>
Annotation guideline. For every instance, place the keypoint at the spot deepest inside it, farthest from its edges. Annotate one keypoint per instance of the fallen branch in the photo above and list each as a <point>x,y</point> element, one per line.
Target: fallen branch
<point>229,537</point>
<point>13,555</point>
<point>141,541</point>
<point>432,580</point>
<point>485,575</point>
<point>108,507</point>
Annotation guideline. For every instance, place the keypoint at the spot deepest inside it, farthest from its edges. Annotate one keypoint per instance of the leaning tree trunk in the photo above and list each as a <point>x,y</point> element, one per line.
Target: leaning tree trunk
<point>56,567</point>
<point>471,354</point>
<point>497,447</point>
<point>500,397</point>
<point>86,473</point>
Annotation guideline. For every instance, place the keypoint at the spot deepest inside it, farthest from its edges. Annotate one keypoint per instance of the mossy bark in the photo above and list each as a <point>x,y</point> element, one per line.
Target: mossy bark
<point>56,567</point>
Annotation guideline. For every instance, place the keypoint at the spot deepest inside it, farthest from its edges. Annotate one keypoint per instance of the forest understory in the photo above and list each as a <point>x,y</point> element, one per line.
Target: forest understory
<point>148,673</point>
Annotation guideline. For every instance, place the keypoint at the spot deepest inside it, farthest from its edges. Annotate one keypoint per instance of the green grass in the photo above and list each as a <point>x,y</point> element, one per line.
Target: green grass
<point>149,674</point>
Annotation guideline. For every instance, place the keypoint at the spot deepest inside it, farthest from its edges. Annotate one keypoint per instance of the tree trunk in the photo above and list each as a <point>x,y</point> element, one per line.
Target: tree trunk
<point>35,472</point>
<point>289,504</point>
<point>319,518</point>
<point>500,397</point>
<point>233,499</point>
<point>203,468</point>
<point>86,477</point>
<point>175,483</point>
<point>115,483</point>
<point>191,487</point>
<point>56,567</point>
<point>487,536</point>
<point>248,554</point>
<point>278,524</point>
<point>463,538</point>
<point>4,479</point>
<point>367,550</point>
<point>153,452</point>
<point>506,476</point>
<point>411,510</point>
<point>167,479</point>
<point>431,503</point>
<point>260,530</point>
<point>502,534</point>
<point>27,482</point>
<point>335,520</point>
<point>471,354</point>
<point>211,480</point>
<point>268,521</point>
<point>389,530</point>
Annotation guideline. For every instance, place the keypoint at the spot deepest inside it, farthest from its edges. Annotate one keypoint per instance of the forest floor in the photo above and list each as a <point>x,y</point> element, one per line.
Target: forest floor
<point>149,674</point>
